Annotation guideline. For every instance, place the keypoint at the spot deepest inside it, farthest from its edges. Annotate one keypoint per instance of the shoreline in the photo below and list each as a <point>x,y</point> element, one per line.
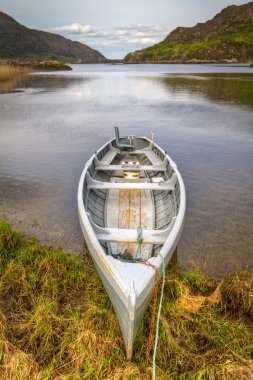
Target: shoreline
<point>13,69</point>
<point>247,64</point>
<point>44,65</point>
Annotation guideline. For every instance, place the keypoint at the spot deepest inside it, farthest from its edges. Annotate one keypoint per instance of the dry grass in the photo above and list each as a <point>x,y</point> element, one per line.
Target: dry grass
<point>57,323</point>
<point>238,299</point>
<point>9,72</point>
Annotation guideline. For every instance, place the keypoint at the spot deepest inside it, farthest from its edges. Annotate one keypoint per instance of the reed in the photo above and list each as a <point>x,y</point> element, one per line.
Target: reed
<point>9,72</point>
<point>56,321</point>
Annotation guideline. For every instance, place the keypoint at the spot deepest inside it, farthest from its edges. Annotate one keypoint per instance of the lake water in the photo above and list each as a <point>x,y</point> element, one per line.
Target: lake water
<point>202,115</point>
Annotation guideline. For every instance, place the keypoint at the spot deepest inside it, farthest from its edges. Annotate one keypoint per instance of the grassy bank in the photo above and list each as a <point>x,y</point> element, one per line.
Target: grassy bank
<point>56,321</point>
<point>44,65</point>
<point>11,71</point>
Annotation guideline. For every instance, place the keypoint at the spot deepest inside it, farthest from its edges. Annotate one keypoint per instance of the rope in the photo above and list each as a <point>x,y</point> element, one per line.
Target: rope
<point>158,318</point>
<point>127,256</point>
<point>152,321</point>
<point>139,241</point>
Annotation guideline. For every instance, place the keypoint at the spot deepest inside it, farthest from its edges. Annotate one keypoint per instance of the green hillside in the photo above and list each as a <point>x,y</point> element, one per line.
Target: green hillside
<point>228,37</point>
<point>20,42</point>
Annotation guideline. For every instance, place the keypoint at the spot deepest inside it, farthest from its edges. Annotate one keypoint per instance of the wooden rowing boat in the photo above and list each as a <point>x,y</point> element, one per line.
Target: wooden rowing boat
<point>131,204</point>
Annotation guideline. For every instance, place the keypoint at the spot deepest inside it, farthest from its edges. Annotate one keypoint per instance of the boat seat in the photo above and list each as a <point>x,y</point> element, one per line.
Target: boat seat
<point>148,168</point>
<point>107,234</point>
<point>162,185</point>
<point>130,236</point>
<point>122,145</point>
<point>153,157</point>
<point>107,159</point>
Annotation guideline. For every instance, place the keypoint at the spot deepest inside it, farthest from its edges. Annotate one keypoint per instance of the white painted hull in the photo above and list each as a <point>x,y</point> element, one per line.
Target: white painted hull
<point>129,285</point>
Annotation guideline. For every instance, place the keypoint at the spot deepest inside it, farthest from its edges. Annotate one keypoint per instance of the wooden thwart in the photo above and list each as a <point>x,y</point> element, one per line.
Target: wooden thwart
<point>146,168</point>
<point>167,185</point>
<point>130,236</point>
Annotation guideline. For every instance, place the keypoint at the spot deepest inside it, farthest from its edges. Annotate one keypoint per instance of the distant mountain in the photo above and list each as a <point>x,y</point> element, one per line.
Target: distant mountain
<point>17,41</point>
<point>228,37</point>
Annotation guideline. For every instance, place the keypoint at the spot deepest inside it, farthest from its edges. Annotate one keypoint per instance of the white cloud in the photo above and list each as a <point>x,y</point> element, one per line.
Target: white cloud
<point>120,38</point>
<point>129,34</point>
<point>146,41</point>
<point>74,28</point>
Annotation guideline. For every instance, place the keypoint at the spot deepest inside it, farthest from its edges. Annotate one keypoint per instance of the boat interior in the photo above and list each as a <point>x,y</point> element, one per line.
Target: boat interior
<point>131,195</point>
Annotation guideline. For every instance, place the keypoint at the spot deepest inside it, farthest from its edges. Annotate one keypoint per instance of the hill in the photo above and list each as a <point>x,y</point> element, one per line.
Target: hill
<point>18,41</point>
<point>228,37</point>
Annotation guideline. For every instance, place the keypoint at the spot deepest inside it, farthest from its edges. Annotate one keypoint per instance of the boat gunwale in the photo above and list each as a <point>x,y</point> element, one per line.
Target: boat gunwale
<point>104,259</point>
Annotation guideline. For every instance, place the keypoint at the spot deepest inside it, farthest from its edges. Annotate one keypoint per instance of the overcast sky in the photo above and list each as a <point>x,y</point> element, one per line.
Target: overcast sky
<point>114,27</point>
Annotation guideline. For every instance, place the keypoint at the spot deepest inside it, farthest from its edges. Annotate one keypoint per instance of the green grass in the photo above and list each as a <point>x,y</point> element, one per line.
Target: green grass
<point>56,321</point>
<point>48,66</point>
<point>45,56</point>
<point>49,57</point>
<point>36,57</point>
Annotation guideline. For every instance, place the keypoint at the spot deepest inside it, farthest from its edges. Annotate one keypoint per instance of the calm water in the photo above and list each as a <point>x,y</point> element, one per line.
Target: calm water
<point>50,124</point>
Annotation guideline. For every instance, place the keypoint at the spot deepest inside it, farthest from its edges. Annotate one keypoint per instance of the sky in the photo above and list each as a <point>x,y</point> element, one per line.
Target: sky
<point>113,27</point>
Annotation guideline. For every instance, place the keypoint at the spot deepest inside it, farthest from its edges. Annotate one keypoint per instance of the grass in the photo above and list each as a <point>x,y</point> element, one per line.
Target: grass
<point>56,321</point>
<point>9,72</point>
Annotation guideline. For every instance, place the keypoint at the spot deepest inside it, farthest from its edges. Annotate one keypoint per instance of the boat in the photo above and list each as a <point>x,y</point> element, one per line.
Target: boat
<point>131,205</point>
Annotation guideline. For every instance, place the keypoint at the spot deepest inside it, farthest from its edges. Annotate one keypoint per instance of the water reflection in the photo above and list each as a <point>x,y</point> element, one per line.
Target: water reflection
<point>227,88</point>
<point>52,82</point>
<point>9,86</point>
<point>41,82</point>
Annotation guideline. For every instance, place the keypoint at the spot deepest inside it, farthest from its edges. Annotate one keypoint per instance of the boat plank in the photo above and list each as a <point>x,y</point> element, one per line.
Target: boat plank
<point>146,220</point>
<point>135,215</point>
<point>124,216</point>
<point>111,211</point>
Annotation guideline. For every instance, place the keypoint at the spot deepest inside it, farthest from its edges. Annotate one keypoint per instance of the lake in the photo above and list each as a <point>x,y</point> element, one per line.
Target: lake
<point>202,115</point>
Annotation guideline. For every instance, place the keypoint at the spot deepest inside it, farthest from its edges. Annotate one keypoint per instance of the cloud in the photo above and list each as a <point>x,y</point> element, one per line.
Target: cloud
<point>74,28</point>
<point>137,35</point>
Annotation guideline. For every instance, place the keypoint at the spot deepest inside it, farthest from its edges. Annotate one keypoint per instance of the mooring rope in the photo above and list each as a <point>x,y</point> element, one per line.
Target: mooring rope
<point>158,319</point>
<point>152,321</point>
